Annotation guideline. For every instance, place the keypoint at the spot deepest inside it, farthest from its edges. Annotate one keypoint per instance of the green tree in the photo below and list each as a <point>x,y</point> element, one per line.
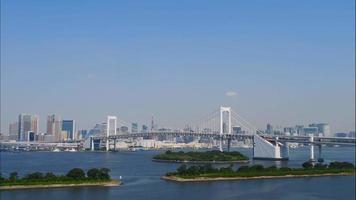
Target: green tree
<point>308,165</point>
<point>34,176</point>
<point>104,173</point>
<point>182,169</point>
<point>13,176</point>
<point>93,173</point>
<point>50,175</point>
<point>76,173</point>
<point>2,178</point>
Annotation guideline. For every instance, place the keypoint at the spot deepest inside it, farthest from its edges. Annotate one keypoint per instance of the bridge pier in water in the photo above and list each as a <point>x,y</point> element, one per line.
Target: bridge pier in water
<point>269,150</point>
<point>311,140</point>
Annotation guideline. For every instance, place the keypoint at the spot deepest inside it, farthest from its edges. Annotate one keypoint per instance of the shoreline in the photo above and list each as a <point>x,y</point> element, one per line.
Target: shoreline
<point>111,183</point>
<point>208,179</point>
<point>200,162</point>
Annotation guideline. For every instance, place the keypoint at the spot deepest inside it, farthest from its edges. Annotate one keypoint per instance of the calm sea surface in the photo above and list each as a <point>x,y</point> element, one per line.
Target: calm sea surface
<point>141,178</point>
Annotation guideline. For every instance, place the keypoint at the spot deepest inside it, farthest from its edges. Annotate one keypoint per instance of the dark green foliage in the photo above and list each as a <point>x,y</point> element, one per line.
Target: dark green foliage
<point>1,177</point>
<point>320,166</point>
<point>307,165</point>
<point>201,156</point>
<point>285,169</point>
<point>259,170</point>
<point>256,168</point>
<point>13,176</point>
<point>341,165</point>
<point>243,168</point>
<point>34,176</point>
<point>76,173</point>
<point>182,169</point>
<point>104,173</point>
<point>93,173</point>
<point>50,176</point>
<point>271,168</point>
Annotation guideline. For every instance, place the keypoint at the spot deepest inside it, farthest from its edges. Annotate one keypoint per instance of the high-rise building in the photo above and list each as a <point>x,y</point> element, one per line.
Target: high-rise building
<point>300,130</point>
<point>69,126</point>
<point>82,134</point>
<point>134,128</point>
<point>269,129</point>
<point>311,131</point>
<point>13,131</point>
<point>236,130</point>
<point>26,124</point>
<point>144,128</point>
<point>323,128</point>
<point>54,127</point>
<point>124,129</point>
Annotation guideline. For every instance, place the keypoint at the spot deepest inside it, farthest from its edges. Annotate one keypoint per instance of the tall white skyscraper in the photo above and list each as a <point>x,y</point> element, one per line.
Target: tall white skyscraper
<point>27,123</point>
<point>54,127</point>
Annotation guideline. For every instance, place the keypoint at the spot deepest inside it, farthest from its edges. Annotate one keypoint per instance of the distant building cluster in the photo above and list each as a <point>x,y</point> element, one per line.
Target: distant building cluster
<point>65,130</point>
<point>27,129</point>
<point>316,129</point>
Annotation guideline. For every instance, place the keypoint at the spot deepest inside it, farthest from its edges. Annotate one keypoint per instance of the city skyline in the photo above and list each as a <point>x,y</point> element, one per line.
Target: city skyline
<point>294,65</point>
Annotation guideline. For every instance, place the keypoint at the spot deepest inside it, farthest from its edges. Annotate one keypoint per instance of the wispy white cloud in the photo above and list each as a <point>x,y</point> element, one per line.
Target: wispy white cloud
<point>230,93</point>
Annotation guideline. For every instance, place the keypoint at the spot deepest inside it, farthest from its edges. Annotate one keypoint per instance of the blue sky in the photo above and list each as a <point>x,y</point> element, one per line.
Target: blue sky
<point>289,62</point>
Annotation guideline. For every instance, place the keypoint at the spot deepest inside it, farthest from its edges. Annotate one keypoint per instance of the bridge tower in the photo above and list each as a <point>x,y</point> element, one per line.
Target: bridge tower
<point>110,129</point>
<point>222,131</point>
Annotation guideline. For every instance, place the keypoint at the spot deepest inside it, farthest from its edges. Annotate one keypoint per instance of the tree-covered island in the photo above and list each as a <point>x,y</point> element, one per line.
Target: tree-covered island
<point>201,157</point>
<point>208,173</point>
<point>74,178</point>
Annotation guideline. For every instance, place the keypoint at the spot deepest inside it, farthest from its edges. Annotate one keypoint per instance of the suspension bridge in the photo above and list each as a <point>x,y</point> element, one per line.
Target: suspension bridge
<point>223,125</point>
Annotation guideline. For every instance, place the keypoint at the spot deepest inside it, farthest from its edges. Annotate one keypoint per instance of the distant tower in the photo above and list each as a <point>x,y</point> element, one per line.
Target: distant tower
<point>111,125</point>
<point>152,124</point>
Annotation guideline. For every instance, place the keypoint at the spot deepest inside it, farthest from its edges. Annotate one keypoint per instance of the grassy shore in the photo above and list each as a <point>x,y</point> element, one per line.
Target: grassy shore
<point>208,173</point>
<point>58,184</point>
<point>218,178</point>
<point>201,157</point>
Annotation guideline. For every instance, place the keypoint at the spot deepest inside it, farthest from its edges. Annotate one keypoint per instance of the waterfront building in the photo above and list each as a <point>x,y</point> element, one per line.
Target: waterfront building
<point>69,127</point>
<point>144,128</point>
<point>31,136</point>
<point>82,134</point>
<point>27,123</point>
<point>341,134</point>
<point>269,129</point>
<point>13,131</point>
<point>323,128</point>
<point>299,130</point>
<point>124,129</point>
<point>134,128</point>
<point>54,127</point>
<point>236,129</point>
<point>311,131</point>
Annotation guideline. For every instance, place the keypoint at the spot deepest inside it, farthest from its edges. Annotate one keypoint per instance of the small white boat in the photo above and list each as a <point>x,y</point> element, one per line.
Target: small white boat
<point>56,150</point>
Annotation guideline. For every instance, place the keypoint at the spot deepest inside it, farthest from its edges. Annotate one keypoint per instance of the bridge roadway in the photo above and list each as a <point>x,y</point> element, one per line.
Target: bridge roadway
<point>282,138</point>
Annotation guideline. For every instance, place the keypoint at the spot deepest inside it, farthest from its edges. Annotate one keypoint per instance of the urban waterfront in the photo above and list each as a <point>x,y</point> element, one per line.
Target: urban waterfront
<point>141,177</point>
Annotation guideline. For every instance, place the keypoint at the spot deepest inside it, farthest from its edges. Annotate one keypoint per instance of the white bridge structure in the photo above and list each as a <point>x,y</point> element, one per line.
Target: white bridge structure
<point>221,125</point>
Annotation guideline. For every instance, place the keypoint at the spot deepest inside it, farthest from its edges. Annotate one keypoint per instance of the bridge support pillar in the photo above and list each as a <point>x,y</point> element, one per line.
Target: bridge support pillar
<point>92,144</point>
<point>107,144</point>
<point>311,140</point>
<point>266,150</point>
<point>320,156</point>
<point>221,144</point>
<point>228,144</point>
